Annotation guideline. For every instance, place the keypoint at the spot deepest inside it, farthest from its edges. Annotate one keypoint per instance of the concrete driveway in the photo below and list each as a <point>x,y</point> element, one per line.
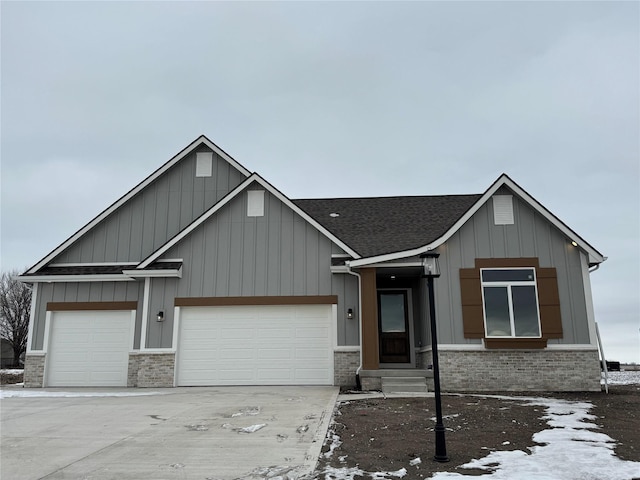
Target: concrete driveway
<point>214,433</point>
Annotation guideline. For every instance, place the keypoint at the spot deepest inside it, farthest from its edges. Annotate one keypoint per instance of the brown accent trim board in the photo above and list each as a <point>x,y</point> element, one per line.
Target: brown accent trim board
<point>233,301</point>
<point>507,262</point>
<point>511,343</point>
<point>370,355</point>
<point>77,306</point>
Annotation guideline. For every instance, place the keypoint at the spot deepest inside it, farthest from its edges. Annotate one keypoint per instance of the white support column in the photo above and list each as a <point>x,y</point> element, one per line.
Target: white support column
<point>145,314</point>
<point>32,317</point>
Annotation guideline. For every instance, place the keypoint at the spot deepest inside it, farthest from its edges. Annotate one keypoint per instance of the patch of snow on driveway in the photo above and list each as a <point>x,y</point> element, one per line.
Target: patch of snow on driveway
<point>45,394</point>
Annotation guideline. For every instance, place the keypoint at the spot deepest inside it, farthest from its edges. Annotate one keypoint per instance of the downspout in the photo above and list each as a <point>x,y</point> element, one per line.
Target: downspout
<point>351,272</point>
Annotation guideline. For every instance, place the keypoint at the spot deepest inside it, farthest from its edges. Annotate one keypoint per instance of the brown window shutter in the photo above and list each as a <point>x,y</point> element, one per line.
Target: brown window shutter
<point>472,312</point>
<point>549,302</point>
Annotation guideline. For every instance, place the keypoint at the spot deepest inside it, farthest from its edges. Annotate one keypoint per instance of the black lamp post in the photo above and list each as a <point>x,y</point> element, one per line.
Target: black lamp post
<point>431,271</point>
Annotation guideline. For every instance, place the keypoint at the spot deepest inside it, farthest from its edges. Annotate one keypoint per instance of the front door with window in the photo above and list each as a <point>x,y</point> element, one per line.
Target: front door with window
<point>393,322</point>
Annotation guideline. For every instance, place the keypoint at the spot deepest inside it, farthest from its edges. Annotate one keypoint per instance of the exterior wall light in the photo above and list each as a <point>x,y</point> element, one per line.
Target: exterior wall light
<point>160,316</point>
<point>350,314</point>
<point>431,265</point>
<point>574,243</point>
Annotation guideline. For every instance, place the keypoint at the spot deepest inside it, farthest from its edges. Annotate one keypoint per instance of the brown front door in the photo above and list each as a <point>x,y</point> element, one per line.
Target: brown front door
<point>393,323</point>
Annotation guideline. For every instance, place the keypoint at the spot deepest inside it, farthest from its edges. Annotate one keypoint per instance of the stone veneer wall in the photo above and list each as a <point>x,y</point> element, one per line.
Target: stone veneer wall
<point>34,371</point>
<point>519,370</point>
<point>345,365</point>
<point>151,369</point>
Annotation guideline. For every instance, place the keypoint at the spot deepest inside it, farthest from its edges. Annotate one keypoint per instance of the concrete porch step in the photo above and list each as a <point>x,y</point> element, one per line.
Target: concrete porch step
<point>404,384</point>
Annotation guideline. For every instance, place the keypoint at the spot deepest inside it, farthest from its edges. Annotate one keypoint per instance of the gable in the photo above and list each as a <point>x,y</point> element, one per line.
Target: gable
<point>154,211</point>
<point>503,184</point>
<point>234,252</point>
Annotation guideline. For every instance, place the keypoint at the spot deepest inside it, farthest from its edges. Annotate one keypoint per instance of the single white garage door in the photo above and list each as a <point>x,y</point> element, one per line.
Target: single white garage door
<point>255,345</point>
<point>89,349</point>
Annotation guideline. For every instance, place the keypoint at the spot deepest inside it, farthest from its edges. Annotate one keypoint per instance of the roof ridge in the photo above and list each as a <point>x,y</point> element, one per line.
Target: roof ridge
<point>390,197</point>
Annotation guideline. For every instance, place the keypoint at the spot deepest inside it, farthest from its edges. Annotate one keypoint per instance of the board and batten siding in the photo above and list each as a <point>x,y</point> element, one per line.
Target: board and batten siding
<point>84,292</point>
<point>156,214</point>
<point>232,254</point>
<point>530,236</point>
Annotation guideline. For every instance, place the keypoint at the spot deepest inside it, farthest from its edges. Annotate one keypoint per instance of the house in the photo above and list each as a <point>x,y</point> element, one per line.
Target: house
<point>206,274</point>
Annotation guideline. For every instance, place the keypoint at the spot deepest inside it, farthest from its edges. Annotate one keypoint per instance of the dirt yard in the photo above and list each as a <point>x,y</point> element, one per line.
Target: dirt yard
<point>387,434</point>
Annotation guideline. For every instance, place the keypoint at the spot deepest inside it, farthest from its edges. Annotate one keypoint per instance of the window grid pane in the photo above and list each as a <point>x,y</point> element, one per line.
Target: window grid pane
<point>508,275</point>
<point>525,311</point>
<point>496,305</point>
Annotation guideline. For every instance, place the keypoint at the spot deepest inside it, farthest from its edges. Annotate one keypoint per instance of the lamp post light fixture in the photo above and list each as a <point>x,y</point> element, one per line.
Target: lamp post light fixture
<point>431,268</point>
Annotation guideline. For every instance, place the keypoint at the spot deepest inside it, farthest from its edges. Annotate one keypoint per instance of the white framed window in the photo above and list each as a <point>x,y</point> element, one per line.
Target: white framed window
<point>510,302</point>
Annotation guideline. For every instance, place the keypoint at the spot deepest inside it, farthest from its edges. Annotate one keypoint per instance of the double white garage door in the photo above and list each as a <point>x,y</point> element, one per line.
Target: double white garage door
<point>255,345</point>
<point>236,345</point>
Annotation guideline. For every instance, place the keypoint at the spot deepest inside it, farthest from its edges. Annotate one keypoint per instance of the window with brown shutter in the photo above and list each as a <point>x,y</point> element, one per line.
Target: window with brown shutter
<point>473,308</point>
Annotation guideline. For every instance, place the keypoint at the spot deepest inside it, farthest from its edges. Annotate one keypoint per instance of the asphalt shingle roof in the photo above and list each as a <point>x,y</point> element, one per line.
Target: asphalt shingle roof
<point>380,225</point>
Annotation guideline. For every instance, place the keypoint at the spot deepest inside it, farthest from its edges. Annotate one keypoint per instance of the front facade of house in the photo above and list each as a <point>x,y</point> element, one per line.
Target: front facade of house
<point>205,274</point>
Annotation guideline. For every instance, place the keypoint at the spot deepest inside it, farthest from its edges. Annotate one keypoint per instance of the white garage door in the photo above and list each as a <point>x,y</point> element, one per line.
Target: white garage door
<point>255,345</point>
<point>89,349</point>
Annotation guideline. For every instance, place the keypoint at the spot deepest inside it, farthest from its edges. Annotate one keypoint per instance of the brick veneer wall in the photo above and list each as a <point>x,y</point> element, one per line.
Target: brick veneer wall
<point>519,370</point>
<point>345,365</point>
<point>34,371</point>
<point>151,370</point>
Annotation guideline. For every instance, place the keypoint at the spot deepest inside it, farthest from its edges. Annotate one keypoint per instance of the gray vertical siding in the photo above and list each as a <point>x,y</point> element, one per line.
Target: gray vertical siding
<point>155,215</point>
<point>84,292</point>
<point>530,236</point>
<point>231,254</point>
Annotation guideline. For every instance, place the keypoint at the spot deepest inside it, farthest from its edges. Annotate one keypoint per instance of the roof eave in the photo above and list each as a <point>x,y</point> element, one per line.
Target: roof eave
<point>595,257</point>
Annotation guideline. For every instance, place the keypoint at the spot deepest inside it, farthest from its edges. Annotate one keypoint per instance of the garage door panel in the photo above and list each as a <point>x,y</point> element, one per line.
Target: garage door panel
<point>88,348</point>
<point>259,345</point>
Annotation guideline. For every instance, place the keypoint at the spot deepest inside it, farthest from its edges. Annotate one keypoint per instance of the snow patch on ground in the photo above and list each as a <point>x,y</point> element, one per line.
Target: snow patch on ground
<point>12,371</point>
<point>47,394</point>
<point>629,377</point>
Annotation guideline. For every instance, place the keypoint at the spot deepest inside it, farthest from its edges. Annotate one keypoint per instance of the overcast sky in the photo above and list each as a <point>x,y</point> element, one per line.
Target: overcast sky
<point>331,99</point>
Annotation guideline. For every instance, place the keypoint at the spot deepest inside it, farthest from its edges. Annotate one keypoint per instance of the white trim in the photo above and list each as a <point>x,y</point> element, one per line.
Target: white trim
<point>36,353</point>
<point>174,339</point>
<point>588,297</point>
<point>224,201</point>
<point>339,269</point>
<point>32,318</point>
<point>47,326</point>
<point>92,264</point>
<point>347,348</point>
<point>340,255</point>
<point>45,343</point>
<point>568,346</point>
<point>169,260</point>
<point>132,330</point>
<point>145,314</point>
<point>152,351</point>
<point>111,277</point>
<point>503,180</point>
<point>141,186</point>
<point>174,336</point>
<point>168,273</point>
<point>481,347</point>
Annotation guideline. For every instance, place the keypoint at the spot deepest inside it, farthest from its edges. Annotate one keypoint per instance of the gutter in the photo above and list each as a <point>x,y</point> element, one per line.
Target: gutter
<point>351,272</point>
